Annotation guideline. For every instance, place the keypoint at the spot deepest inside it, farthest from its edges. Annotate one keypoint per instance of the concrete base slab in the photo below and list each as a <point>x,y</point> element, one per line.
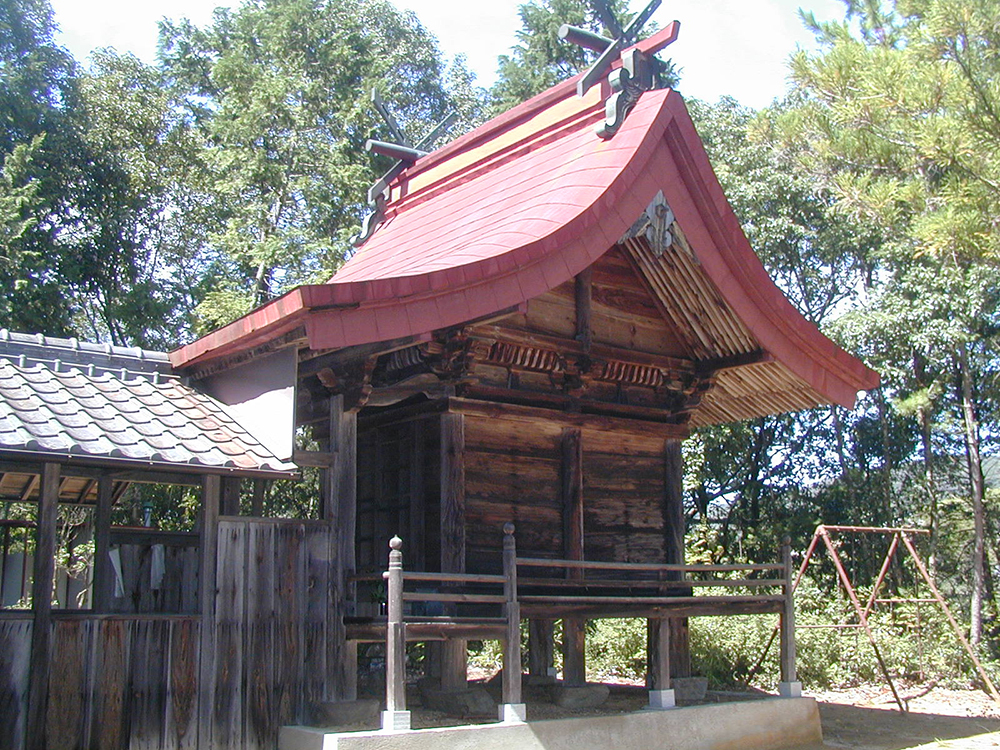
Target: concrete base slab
<point>395,721</point>
<point>790,689</point>
<point>749,725</point>
<point>660,700</point>
<point>513,713</point>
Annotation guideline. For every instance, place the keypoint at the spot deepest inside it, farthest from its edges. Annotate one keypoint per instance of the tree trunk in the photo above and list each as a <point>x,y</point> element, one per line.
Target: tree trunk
<point>931,486</point>
<point>976,482</point>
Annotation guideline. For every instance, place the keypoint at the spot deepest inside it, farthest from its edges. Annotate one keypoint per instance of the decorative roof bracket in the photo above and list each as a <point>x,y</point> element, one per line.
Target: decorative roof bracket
<point>640,71</point>
<point>404,153</point>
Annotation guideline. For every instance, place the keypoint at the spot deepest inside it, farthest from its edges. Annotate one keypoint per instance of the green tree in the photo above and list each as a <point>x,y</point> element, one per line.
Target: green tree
<point>901,127</point>
<point>278,92</point>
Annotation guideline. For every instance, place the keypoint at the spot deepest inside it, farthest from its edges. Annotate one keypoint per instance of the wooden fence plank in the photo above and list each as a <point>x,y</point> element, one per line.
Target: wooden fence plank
<point>181,725</point>
<point>229,618</point>
<point>318,570</point>
<point>15,649</point>
<point>261,730</point>
<point>149,684</point>
<point>288,651</point>
<point>111,694</point>
<point>65,719</point>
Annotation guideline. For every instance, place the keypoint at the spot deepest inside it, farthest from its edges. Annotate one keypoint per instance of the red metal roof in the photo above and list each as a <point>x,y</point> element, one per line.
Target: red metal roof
<point>519,206</point>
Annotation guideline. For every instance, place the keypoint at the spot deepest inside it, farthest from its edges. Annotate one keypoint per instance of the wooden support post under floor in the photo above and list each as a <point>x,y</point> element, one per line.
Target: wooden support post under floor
<point>540,647</point>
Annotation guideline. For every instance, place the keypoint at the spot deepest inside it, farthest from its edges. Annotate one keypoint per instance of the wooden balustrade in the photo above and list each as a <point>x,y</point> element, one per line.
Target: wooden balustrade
<point>580,596</point>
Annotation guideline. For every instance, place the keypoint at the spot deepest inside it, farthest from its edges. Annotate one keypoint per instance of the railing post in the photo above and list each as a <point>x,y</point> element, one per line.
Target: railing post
<point>395,717</point>
<point>513,709</point>
<point>790,687</point>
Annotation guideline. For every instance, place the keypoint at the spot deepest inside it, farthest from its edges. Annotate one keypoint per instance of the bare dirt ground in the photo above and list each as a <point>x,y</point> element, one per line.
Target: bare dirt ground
<point>868,719</point>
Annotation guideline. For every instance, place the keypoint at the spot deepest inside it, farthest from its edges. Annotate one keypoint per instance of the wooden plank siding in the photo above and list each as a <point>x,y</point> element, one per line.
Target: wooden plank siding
<point>512,473</point>
<point>133,680</point>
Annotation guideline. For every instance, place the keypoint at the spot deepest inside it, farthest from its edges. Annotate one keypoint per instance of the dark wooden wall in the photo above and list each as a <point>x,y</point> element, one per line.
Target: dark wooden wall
<point>512,473</point>
<point>133,680</point>
<point>399,492</point>
<point>624,499</point>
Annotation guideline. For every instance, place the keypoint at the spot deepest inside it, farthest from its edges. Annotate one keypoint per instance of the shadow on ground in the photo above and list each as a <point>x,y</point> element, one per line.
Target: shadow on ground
<point>862,728</point>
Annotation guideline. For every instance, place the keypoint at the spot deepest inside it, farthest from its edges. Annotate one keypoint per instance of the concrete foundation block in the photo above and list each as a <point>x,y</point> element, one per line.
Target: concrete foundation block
<point>689,689</point>
<point>790,689</point>
<point>346,713</point>
<point>395,721</point>
<point>590,695</point>
<point>660,700</point>
<point>513,713</point>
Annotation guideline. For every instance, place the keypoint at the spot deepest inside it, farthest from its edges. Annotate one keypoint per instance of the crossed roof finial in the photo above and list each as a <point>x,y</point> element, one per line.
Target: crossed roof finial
<point>639,72</point>
<point>405,156</point>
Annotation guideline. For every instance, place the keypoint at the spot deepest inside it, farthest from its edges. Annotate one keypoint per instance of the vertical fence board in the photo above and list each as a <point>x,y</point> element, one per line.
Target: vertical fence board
<point>111,693</point>
<point>181,725</point>
<point>65,720</point>
<point>288,648</point>
<point>15,648</point>
<point>261,729</point>
<point>149,683</point>
<point>229,614</point>
<point>316,611</point>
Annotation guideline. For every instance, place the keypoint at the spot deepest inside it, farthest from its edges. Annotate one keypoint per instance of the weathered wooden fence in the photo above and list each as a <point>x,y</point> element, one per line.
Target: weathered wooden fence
<point>139,680</point>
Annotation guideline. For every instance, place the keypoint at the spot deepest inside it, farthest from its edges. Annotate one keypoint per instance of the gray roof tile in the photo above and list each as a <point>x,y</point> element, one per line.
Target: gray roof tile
<point>141,414</point>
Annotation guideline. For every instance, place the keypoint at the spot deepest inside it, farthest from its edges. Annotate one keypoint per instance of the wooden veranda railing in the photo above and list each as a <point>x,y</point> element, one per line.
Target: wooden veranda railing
<point>578,588</point>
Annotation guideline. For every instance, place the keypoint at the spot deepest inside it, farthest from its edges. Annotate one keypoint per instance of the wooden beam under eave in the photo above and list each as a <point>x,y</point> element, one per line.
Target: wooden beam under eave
<point>41,608</point>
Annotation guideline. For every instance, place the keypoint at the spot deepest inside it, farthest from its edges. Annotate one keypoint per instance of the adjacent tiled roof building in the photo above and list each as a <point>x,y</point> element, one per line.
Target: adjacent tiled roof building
<point>69,400</point>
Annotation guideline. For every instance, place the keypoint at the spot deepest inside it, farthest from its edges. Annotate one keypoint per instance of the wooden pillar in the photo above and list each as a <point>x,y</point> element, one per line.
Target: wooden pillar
<point>674,528</point>
<point>658,652</point>
<point>229,504</point>
<point>41,607</point>
<point>340,510</point>
<point>103,578</point>
<point>574,644</point>
<point>454,655</point>
<point>540,647</point>
<point>512,613</point>
<point>257,501</point>
<point>787,620</point>
<point>211,497</point>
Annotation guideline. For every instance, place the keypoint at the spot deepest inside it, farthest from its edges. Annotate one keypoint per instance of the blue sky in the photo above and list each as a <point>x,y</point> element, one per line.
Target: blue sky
<point>726,47</point>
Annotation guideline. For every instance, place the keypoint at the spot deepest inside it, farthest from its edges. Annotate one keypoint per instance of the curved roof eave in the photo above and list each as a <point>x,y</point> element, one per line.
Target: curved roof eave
<point>395,289</point>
